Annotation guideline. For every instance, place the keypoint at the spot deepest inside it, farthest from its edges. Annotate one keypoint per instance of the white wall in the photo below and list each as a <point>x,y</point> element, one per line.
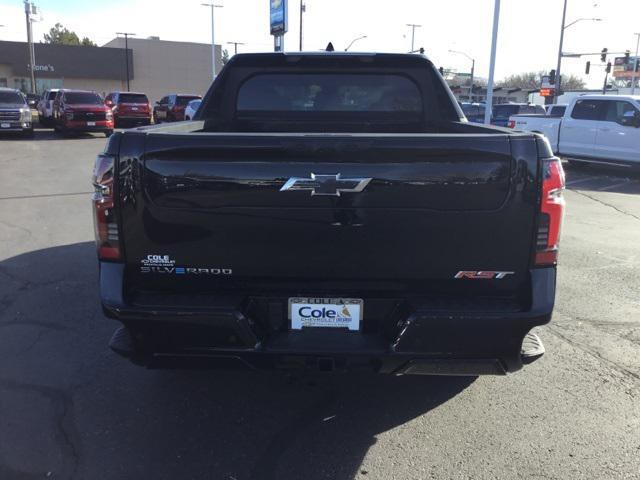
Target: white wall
<point>161,67</point>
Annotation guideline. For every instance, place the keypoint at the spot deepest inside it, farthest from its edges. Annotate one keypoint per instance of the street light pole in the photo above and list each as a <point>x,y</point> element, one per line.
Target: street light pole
<point>413,33</point>
<point>213,6</point>
<point>634,79</point>
<point>556,85</point>
<point>126,54</point>
<point>303,8</point>
<point>492,63</point>
<point>563,27</point>
<point>473,67</point>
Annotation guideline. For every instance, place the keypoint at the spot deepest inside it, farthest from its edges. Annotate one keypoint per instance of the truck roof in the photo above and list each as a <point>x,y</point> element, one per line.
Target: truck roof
<point>608,97</point>
<point>289,58</point>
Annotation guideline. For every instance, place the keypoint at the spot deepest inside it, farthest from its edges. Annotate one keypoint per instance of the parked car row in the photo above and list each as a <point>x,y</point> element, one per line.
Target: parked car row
<point>68,110</point>
<point>172,107</point>
<point>500,112</point>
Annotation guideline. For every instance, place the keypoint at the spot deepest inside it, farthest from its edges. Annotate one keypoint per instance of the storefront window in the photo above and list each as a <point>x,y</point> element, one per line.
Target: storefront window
<point>43,84</point>
<point>22,84</point>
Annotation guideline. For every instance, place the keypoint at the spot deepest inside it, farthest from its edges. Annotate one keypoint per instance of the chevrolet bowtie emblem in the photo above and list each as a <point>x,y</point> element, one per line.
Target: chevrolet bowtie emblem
<point>332,185</point>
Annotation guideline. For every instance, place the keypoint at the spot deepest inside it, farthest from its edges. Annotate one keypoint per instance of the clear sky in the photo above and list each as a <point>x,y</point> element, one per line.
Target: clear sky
<point>528,35</point>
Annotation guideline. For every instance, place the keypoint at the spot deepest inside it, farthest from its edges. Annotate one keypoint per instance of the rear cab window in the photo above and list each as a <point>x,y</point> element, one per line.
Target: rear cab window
<point>329,92</point>
<point>132,98</point>
<point>505,111</point>
<point>183,100</point>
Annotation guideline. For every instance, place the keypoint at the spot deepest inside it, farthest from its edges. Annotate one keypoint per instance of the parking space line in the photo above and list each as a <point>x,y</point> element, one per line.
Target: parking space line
<point>614,185</point>
<point>582,180</point>
<point>49,195</point>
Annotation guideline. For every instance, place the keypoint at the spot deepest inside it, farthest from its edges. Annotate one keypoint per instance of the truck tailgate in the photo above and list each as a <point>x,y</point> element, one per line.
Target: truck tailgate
<point>208,209</point>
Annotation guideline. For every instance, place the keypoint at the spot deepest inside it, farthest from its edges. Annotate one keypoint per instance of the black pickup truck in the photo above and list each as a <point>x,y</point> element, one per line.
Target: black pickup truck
<point>331,211</point>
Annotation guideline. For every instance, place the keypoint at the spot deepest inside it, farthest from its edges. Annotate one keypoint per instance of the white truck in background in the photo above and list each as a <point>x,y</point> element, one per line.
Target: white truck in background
<point>594,128</point>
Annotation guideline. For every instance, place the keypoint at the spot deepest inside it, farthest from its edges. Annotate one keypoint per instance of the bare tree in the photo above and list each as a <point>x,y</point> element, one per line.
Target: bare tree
<point>532,80</point>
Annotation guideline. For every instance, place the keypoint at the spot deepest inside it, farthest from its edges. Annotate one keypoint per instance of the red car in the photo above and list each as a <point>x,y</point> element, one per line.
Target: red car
<point>81,111</point>
<point>171,108</point>
<point>129,109</point>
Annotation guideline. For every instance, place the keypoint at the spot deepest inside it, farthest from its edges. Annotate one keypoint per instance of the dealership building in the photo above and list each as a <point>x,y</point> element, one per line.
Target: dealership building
<point>156,67</point>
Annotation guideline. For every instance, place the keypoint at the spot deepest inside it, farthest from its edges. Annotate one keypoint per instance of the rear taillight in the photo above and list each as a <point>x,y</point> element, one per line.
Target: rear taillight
<point>551,212</point>
<point>511,124</point>
<point>105,224</point>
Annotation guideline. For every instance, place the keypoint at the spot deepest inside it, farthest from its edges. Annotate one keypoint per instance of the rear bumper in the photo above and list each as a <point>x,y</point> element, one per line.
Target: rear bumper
<point>423,340</point>
<point>144,119</point>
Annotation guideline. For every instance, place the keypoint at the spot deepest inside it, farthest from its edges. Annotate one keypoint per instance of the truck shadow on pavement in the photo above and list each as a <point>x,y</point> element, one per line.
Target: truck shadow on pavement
<point>73,409</point>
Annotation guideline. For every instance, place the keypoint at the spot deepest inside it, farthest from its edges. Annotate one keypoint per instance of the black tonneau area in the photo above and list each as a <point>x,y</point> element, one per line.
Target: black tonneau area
<point>435,205</point>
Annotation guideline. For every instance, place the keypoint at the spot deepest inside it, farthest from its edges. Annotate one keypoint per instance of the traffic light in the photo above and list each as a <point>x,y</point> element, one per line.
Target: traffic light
<point>552,76</point>
<point>608,70</point>
<point>626,57</point>
<point>587,68</point>
<point>603,55</point>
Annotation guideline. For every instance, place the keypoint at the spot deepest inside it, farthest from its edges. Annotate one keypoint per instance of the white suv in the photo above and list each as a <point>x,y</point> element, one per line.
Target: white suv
<point>45,107</point>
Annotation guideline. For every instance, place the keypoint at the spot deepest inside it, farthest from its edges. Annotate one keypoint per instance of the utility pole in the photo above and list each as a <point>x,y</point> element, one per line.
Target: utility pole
<point>413,33</point>
<point>31,9</point>
<point>556,85</point>
<point>634,78</point>
<point>213,6</point>
<point>492,63</point>
<point>303,8</point>
<point>126,54</point>
<point>235,46</point>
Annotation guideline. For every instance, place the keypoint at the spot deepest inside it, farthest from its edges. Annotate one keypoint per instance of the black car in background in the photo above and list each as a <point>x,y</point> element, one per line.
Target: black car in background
<point>502,111</point>
<point>15,113</point>
<point>32,100</point>
<point>171,108</point>
<point>473,111</point>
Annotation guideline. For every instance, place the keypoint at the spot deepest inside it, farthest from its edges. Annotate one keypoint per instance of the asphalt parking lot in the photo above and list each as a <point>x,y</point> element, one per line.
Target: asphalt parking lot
<point>69,408</point>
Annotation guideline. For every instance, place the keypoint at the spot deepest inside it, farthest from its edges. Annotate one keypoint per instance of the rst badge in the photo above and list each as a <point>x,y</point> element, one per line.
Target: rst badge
<point>330,185</point>
<point>482,274</point>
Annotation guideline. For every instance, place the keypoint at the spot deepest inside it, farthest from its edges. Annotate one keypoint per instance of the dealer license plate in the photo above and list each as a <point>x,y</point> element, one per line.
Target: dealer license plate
<point>91,124</point>
<point>308,312</point>
<point>5,125</point>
